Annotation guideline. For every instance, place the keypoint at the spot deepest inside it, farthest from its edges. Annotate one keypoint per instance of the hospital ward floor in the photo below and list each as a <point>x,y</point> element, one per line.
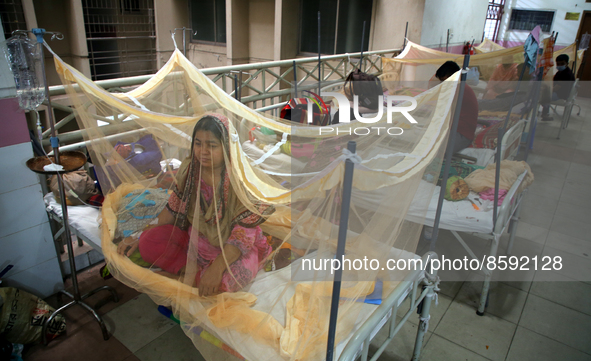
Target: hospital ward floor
<point>525,320</point>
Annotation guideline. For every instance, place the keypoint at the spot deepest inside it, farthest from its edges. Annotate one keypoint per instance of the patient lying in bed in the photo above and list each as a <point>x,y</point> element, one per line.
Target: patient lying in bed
<point>230,244</point>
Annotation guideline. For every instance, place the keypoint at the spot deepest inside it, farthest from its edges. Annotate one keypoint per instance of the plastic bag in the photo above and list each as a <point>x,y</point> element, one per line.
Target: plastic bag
<point>79,182</point>
<point>23,315</point>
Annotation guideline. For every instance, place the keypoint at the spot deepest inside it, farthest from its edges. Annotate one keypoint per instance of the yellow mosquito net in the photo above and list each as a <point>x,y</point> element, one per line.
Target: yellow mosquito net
<point>418,63</point>
<point>229,216</point>
<point>487,46</point>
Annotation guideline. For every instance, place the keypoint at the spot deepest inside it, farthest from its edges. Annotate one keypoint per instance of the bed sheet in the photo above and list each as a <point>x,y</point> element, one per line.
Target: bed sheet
<point>83,218</point>
<point>457,216</point>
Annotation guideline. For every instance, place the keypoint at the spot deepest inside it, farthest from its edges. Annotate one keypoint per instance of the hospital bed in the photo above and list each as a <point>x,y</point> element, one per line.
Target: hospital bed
<point>456,216</point>
<point>418,286</point>
<point>462,217</point>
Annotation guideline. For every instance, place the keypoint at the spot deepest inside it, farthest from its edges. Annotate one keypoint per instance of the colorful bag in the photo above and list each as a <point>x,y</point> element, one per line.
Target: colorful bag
<point>296,110</point>
<point>144,155</point>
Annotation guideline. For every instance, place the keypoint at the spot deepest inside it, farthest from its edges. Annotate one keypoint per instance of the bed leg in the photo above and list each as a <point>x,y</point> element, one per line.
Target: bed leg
<point>487,277</point>
<point>432,282</point>
<point>80,242</point>
<point>513,226</point>
<point>424,323</point>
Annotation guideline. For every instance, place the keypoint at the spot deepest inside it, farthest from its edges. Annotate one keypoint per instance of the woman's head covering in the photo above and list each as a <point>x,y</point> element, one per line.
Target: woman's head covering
<point>229,211</point>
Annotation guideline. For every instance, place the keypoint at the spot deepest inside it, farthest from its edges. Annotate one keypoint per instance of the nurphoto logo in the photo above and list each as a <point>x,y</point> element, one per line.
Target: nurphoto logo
<point>345,114</point>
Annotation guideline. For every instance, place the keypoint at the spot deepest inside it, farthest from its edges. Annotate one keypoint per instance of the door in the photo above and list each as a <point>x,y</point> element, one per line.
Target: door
<point>584,69</point>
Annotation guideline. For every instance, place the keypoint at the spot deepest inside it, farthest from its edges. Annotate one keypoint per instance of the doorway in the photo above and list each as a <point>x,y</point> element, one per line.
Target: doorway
<point>583,71</point>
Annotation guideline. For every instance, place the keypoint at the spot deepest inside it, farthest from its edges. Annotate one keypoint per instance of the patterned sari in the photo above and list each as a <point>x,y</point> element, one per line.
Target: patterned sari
<point>167,246</point>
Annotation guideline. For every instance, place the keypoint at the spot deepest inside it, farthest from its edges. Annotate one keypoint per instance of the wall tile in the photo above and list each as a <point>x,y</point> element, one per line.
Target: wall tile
<point>42,280</point>
<point>15,174</point>
<point>21,209</point>
<point>27,248</point>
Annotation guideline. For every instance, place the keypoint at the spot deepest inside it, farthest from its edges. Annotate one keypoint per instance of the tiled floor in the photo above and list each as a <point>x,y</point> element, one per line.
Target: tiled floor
<point>544,316</point>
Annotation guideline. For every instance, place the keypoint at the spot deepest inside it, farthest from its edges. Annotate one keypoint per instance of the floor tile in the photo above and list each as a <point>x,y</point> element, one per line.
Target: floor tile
<point>546,186</point>
<point>450,288</point>
<point>575,212</point>
<point>539,217</point>
<point>171,345</point>
<point>579,173</point>
<point>530,346</point>
<point>557,322</point>
<point>577,193</point>
<point>440,349</point>
<point>534,202</point>
<point>505,301</point>
<point>138,322</point>
<point>569,244</point>
<point>582,157</point>
<point>520,270</point>
<point>567,225</point>
<point>437,310</point>
<point>402,346</point>
<point>567,264</point>
<point>85,343</point>
<point>541,165</point>
<point>554,151</point>
<point>487,335</point>
<point>89,279</point>
<point>560,289</point>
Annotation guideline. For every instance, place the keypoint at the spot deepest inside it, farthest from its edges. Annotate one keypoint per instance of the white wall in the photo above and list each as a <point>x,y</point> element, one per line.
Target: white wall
<point>464,18</point>
<point>389,23</point>
<point>567,29</point>
<point>25,236</point>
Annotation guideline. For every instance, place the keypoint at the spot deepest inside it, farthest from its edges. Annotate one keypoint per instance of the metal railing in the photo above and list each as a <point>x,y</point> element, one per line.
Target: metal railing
<point>262,86</point>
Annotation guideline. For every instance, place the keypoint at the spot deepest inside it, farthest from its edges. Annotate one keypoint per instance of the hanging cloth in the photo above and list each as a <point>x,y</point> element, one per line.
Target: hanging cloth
<point>547,58</point>
<point>531,49</point>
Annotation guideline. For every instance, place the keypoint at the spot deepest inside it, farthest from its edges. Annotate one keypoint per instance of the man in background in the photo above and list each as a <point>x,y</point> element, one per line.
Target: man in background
<point>468,113</point>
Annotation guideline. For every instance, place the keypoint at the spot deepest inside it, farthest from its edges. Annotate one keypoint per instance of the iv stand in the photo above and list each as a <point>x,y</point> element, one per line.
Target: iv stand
<point>77,299</point>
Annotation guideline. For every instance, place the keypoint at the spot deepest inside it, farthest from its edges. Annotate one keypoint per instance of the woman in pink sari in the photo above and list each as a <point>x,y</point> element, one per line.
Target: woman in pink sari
<point>221,219</point>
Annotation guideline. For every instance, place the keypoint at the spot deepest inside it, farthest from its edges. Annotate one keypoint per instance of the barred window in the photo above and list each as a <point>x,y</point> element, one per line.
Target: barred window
<point>529,19</point>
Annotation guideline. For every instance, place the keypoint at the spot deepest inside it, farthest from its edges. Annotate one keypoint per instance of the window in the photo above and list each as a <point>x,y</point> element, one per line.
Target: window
<point>208,19</point>
<point>341,25</point>
<point>130,6</point>
<point>13,17</point>
<point>493,19</point>
<point>529,19</point>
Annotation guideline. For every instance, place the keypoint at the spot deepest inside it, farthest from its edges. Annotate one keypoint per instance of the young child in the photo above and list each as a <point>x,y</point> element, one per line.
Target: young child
<point>563,82</point>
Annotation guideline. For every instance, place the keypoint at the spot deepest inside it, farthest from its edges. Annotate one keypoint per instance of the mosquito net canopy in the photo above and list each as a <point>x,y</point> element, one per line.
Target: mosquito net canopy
<point>229,216</point>
<point>417,63</point>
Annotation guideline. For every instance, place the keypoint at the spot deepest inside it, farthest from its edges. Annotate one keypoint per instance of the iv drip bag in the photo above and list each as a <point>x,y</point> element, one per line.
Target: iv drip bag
<point>24,58</point>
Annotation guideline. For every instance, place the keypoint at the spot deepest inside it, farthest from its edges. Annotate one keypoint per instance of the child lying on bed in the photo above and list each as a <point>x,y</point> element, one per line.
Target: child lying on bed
<point>231,226</point>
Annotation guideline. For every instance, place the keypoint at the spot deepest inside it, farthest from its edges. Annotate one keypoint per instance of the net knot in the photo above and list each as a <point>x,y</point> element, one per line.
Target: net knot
<point>353,157</point>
